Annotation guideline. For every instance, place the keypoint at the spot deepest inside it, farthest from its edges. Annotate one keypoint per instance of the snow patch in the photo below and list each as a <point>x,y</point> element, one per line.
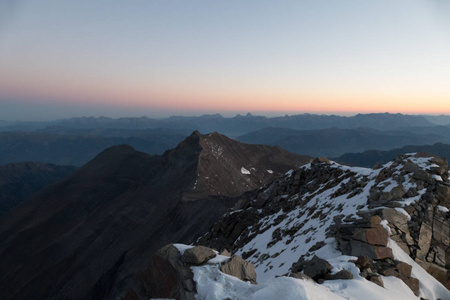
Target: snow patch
<point>437,177</point>
<point>270,171</point>
<point>182,247</point>
<point>401,210</point>
<point>443,209</point>
<point>215,285</point>
<point>245,171</point>
<point>385,223</point>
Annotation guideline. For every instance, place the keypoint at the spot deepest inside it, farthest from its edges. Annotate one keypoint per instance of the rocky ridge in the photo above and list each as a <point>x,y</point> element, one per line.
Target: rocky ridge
<point>392,220</point>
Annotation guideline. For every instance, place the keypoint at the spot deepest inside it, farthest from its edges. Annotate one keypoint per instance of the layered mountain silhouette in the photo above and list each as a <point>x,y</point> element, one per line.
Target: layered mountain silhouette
<point>87,236</point>
<point>63,146</point>
<point>371,157</point>
<point>75,141</point>
<point>235,126</point>
<point>332,142</point>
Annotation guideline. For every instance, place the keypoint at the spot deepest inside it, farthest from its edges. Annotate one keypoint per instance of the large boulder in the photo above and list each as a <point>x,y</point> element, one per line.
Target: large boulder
<point>239,268</point>
<point>167,276</point>
<point>316,268</point>
<point>197,255</point>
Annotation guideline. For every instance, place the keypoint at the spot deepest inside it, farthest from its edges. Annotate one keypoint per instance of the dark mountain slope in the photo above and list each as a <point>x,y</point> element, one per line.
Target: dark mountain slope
<point>371,157</point>
<point>20,181</point>
<point>333,142</point>
<point>87,236</point>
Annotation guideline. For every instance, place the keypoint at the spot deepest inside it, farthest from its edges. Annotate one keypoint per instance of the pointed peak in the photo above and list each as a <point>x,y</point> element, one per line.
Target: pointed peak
<point>195,133</point>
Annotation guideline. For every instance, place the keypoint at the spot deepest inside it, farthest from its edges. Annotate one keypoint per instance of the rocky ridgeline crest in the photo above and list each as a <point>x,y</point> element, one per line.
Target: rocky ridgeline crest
<point>356,211</point>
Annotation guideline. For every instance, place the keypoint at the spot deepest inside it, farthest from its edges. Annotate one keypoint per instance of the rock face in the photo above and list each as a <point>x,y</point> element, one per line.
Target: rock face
<point>169,273</point>
<point>96,229</point>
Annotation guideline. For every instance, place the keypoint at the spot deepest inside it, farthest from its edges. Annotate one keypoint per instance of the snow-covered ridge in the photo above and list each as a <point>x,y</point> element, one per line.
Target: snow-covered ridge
<point>302,214</point>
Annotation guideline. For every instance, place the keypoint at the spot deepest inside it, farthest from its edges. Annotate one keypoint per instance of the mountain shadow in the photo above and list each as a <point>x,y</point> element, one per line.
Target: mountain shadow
<point>20,181</point>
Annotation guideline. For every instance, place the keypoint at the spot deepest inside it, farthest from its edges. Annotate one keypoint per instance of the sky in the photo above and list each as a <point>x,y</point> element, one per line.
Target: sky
<point>61,58</point>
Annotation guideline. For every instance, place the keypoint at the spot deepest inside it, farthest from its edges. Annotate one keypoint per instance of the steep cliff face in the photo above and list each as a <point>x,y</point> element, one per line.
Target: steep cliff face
<point>396,213</point>
<point>87,237</point>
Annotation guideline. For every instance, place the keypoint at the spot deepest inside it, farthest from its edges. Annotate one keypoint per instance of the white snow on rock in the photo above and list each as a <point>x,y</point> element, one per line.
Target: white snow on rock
<point>401,210</point>
<point>270,171</point>
<point>181,247</point>
<point>273,257</point>
<point>443,209</point>
<point>214,285</point>
<point>313,229</point>
<point>245,171</point>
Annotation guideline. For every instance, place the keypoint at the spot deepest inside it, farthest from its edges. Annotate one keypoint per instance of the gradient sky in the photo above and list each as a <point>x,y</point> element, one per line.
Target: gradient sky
<point>157,58</point>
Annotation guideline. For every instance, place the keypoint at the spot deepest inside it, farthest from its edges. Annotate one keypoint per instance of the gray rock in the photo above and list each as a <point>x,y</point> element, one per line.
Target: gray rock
<point>364,262</point>
<point>240,268</point>
<point>198,255</point>
<point>376,279</point>
<point>404,268</point>
<point>374,252</point>
<point>343,274</point>
<point>424,241</point>
<point>315,268</point>
<point>422,176</point>
<point>396,218</point>
<point>165,277</point>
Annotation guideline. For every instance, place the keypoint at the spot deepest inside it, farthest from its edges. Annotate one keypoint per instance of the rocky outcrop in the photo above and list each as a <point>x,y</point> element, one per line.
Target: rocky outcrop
<point>371,242</point>
<point>406,200</point>
<point>421,228</point>
<point>169,273</point>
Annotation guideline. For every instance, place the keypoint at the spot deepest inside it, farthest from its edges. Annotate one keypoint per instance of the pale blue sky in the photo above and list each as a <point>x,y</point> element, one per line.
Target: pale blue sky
<point>189,57</point>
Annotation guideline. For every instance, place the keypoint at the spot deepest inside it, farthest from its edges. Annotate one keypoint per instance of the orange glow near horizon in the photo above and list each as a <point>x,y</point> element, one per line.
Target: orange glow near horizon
<point>216,99</point>
<point>270,103</point>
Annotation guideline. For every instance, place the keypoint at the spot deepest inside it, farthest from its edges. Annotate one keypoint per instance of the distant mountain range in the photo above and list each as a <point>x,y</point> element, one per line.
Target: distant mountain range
<point>333,142</point>
<point>371,157</point>
<point>236,126</point>
<point>77,140</point>
<point>61,149</point>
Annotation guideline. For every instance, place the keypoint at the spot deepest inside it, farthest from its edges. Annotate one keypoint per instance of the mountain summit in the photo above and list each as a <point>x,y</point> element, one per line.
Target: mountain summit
<point>228,167</point>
